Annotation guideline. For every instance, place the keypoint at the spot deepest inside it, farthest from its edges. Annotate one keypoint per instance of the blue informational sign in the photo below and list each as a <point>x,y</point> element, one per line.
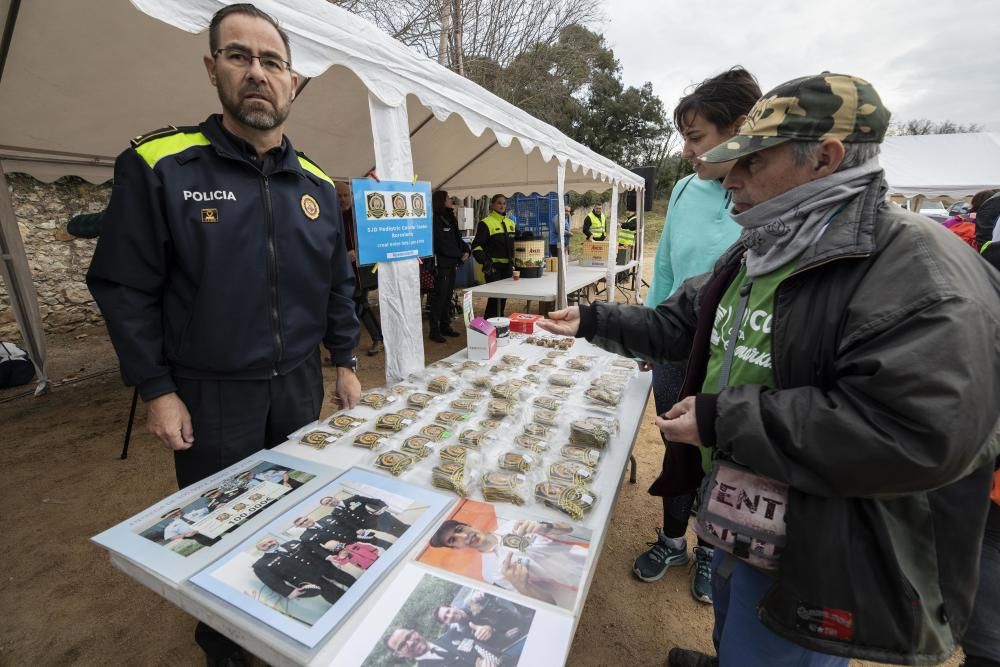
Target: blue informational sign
<point>393,220</point>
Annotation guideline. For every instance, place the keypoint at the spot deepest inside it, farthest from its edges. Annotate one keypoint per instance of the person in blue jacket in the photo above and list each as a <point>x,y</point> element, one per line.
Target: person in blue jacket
<point>697,231</point>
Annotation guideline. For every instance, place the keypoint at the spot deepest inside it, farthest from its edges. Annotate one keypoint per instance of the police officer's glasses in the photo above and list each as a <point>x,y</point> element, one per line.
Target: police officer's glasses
<point>243,59</point>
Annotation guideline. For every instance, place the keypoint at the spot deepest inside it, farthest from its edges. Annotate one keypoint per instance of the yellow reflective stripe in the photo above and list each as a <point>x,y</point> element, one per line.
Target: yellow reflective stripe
<point>499,260</point>
<point>313,169</point>
<point>155,150</point>
<point>985,246</point>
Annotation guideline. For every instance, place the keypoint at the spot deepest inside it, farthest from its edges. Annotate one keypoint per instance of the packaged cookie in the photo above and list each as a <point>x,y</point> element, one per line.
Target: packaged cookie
<point>417,445</point>
<point>393,462</point>
<point>453,454</point>
<point>503,486</point>
<point>512,360</point>
<point>578,364</point>
<point>629,364</point>
<point>585,455</point>
<point>443,364</point>
<point>471,365</point>
<point>516,462</point>
<point>483,381</point>
<point>472,438</point>
<point>593,431</point>
<point>448,418</point>
<point>490,425</point>
<point>391,421</point>
<point>517,382</point>
<point>506,390</point>
<point>554,354</point>
<point>408,413</point>
<point>546,417</point>
<point>376,399</point>
<point>537,368</point>
<point>536,430</point>
<point>319,439</point>
<point>502,368</point>
<point>547,362</point>
<point>439,384</point>
<point>419,400</point>
<point>472,395</point>
<point>401,389</point>
<point>609,382</point>
<point>344,422</point>
<point>369,440</point>
<point>435,432</point>
<point>573,500</point>
<point>570,472</point>
<point>558,392</point>
<point>603,396</point>
<point>500,408</point>
<point>536,445</point>
<point>546,402</point>
<point>463,405</point>
<point>450,477</point>
<point>562,380</point>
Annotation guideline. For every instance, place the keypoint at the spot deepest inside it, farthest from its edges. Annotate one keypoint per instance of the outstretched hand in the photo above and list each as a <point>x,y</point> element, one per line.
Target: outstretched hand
<point>565,322</point>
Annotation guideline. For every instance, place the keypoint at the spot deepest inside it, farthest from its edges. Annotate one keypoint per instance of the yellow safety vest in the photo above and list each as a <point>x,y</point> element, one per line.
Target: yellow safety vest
<point>498,224</point>
<point>627,236</point>
<point>596,224</point>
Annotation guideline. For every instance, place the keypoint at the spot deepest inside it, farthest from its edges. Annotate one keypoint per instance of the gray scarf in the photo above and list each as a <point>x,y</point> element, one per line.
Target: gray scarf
<point>777,231</point>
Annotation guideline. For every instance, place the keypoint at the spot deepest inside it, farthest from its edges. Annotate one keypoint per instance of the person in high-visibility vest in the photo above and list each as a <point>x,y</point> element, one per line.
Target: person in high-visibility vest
<point>626,233</point>
<point>594,224</point>
<point>493,248</point>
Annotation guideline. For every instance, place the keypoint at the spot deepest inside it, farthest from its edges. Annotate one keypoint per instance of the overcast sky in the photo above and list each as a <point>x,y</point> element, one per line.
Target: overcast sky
<point>936,60</point>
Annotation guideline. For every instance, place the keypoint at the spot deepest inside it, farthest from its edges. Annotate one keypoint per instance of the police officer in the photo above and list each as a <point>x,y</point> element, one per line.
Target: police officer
<point>298,570</point>
<point>493,248</point>
<point>594,224</point>
<point>221,267</point>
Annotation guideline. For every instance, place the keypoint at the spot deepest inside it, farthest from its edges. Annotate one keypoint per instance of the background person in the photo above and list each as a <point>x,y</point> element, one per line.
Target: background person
<point>450,252</point>
<point>493,248</point>
<point>595,224</point>
<point>698,230</point>
<point>822,394</point>
<point>365,280</point>
<point>567,217</point>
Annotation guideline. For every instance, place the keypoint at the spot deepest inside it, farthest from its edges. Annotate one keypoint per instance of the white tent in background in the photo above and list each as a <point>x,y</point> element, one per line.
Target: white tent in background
<point>942,166</point>
<point>79,78</point>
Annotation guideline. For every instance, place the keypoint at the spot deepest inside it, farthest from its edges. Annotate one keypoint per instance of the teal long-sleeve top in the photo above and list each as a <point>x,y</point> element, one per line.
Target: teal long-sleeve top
<point>697,231</point>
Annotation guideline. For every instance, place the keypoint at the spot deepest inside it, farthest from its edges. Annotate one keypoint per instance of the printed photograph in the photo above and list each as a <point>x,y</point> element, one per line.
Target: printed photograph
<point>544,560</point>
<point>304,571</point>
<point>443,622</point>
<point>199,521</point>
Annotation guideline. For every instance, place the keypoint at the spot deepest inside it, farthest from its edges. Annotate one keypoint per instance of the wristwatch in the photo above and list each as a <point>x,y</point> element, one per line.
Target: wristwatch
<point>352,364</point>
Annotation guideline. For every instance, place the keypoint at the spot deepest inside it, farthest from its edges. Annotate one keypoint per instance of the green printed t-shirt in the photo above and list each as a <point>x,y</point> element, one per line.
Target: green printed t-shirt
<point>752,359</point>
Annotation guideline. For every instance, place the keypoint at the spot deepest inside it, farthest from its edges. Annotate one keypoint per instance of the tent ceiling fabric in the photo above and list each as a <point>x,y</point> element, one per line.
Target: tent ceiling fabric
<point>942,165</point>
<point>153,77</point>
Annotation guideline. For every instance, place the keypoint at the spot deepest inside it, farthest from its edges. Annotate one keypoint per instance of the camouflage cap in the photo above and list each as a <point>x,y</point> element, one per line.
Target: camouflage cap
<point>812,108</point>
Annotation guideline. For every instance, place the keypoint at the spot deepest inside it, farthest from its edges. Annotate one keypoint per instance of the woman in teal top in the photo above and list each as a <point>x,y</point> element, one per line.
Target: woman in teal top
<point>697,231</point>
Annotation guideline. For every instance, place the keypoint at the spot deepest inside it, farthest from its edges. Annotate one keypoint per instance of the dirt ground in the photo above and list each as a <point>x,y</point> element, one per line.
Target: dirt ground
<point>63,603</point>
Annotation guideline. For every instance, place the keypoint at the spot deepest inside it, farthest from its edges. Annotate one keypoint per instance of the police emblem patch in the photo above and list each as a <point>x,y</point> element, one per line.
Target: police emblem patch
<point>399,205</point>
<point>209,215</point>
<point>310,207</point>
<point>417,204</point>
<point>376,205</point>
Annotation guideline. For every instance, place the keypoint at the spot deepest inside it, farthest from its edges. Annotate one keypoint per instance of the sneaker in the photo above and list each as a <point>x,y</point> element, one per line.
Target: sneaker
<point>437,337</point>
<point>653,564</point>
<point>375,348</point>
<point>701,581</point>
<point>683,657</point>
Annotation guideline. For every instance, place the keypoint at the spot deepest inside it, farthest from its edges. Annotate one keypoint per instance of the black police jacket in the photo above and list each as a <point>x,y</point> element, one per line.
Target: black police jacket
<point>208,268</point>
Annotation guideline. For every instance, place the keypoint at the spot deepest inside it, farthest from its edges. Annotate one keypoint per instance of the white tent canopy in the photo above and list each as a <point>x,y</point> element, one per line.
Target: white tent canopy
<point>942,165</point>
<point>82,77</point>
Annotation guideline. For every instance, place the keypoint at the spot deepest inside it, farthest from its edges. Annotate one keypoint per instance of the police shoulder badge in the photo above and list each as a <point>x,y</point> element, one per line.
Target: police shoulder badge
<point>310,206</point>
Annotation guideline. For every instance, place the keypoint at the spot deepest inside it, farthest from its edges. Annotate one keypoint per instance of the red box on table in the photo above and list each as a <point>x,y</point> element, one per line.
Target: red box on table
<point>523,322</point>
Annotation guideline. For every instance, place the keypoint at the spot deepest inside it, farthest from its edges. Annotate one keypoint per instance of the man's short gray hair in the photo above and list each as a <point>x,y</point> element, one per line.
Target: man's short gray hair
<point>855,155</point>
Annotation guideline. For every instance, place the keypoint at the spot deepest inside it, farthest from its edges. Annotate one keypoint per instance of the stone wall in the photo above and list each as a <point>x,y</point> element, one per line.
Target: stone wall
<point>58,261</point>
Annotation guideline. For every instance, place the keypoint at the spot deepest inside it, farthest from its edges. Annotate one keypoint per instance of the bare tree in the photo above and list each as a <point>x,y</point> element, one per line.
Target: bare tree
<point>924,126</point>
<point>476,38</point>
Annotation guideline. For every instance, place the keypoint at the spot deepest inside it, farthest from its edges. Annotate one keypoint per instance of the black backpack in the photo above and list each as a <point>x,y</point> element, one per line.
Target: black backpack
<point>15,366</point>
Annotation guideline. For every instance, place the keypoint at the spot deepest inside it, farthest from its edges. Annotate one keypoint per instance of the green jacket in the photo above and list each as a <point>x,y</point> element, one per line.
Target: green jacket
<point>886,357</point>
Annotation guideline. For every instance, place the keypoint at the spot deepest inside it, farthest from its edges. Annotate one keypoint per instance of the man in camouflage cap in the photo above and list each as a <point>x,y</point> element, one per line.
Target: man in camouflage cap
<point>851,351</point>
